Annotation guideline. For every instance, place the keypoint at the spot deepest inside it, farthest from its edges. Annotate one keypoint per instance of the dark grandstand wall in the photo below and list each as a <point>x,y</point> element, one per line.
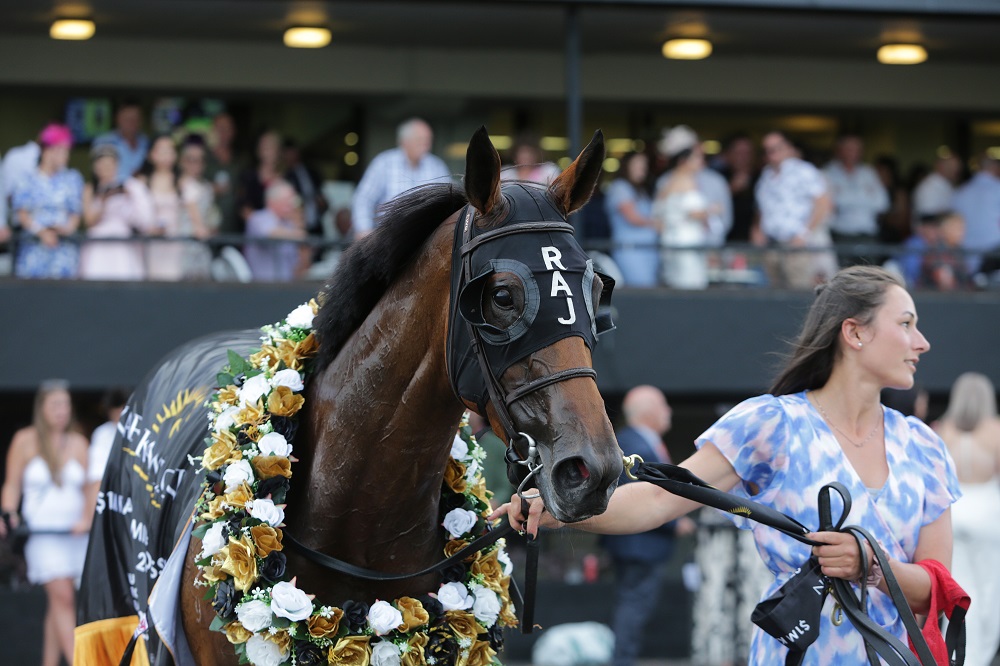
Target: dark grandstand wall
<point>708,343</point>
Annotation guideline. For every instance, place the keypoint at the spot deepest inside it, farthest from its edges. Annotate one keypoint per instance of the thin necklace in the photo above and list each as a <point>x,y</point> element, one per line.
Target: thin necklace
<point>826,417</point>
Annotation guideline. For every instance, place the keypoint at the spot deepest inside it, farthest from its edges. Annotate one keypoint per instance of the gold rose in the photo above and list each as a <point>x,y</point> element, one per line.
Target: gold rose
<point>241,563</point>
<point>266,538</point>
<point>350,651</point>
<point>237,633</point>
<point>268,466</point>
<point>323,627</point>
<point>283,402</point>
<point>414,613</point>
<point>414,655</point>
<point>454,476</point>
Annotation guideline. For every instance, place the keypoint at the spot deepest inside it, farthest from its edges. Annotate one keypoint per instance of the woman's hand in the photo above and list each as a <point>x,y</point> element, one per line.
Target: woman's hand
<point>81,527</point>
<point>537,515</point>
<point>49,237</point>
<point>9,520</point>
<point>840,558</point>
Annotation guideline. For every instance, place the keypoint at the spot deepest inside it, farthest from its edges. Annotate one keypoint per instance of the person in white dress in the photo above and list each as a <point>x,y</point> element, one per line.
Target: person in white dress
<point>46,472</point>
<point>688,220</point>
<point>971,430</point>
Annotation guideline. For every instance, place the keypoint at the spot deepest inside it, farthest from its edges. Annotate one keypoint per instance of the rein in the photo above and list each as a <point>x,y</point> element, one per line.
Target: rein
<point>792,614</point>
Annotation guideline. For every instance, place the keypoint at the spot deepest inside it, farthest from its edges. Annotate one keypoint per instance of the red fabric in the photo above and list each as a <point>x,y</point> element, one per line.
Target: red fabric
<point>946,594</point>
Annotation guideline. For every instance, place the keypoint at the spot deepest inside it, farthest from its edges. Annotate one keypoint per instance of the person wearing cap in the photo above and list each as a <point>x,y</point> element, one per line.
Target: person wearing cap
<point>113,209</point>
<point>795,204</point>
<point>47,205</point>
<point>689,217</point>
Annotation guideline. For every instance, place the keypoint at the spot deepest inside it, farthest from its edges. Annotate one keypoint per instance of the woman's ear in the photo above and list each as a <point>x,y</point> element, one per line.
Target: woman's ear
<point>852,333</point>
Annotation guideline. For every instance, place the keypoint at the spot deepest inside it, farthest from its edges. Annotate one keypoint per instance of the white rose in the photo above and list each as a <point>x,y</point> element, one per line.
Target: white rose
<point>213,541</point>
<point>290,602</point>
<point>265,511</point>
<point>288,377</point>
<point>254,389</point>
<point>255,615</point>
<point>383,617</point>
<point>274,444</point>
<point>486,607</point>
<point>226,419</point>
<point>504,559</point>
<point>459,449</point>
<point>385,653</point>
<point>236,473</point>
<point>454,596</point>
<point>262,652</point>
<point>300,317</point>
<point>459,521</point>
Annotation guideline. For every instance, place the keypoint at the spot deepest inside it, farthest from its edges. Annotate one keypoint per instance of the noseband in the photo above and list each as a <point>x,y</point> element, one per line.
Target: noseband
<point>479,381</point>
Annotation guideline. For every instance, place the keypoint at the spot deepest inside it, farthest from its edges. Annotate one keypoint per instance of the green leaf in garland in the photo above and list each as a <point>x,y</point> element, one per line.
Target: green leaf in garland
<point>236,363</point>
<point>218,624</point>
<point>223,379</point>
<point>201,530</point>
<point>280,622</point>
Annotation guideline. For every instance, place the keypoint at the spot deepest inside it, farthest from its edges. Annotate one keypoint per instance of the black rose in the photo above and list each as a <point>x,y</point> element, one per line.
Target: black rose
<point>273,566</point>
<point>276,487</point>
<point>441,644</point>
<point>285,426</point>
<point>356,614</point>
<point>213,477</point>
<point>495,637</point>
<point>224,601</point>
<point>242,438</point>
<point>450,501</point>
<point>239,379</point>
<point>308,654</point>
<point>432,606</point>
<point>454,573</point>
<point>234,526</point>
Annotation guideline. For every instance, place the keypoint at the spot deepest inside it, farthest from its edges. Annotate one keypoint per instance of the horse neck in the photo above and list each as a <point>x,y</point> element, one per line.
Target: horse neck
<point>381,420</point>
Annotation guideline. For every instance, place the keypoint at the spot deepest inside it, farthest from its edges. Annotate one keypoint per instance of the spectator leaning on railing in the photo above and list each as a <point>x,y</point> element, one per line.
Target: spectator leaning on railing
<point>47,204</point>
<point>281,219</point>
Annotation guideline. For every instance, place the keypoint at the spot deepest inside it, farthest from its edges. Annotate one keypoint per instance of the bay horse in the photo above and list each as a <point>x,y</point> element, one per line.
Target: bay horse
<point>380,410</point>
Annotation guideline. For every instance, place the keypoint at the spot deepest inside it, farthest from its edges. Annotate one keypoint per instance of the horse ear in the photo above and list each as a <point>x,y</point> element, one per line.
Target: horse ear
<point>576,184</point>
<point>482,172</point>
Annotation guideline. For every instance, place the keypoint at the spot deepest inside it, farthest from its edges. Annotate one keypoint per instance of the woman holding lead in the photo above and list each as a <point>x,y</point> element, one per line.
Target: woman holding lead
<point>821,422</point>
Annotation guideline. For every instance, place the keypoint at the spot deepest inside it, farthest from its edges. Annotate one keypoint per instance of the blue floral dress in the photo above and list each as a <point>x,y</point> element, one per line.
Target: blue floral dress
<point>784,447</point>
<point>50,200</point>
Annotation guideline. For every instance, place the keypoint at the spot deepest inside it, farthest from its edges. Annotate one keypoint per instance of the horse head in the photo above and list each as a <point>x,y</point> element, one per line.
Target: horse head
<point>526,311</point>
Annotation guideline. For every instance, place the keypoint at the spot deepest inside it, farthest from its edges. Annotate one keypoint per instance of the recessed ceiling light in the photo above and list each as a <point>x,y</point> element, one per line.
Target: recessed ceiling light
<point>687,49</point>
<point>72,29</point>
<point>902,54</point>
<point>307,38</point>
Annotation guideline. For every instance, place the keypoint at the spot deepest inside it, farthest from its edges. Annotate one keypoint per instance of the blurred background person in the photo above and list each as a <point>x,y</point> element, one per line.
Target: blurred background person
<point>971,430</point>
<point>394,171</point>
<point>639,559</point>
<point>894,224</point>
<point>738,166</point>
<point>686,215</point>
<point>164,258</point>
<point>794,204</point>
<point>943,265</point>
<point>710,183</point>
<point>913,401</point>
<point>198,216</point>
<point>113,209</point>
<point>101,442</point>
<point>222,169</point>
<point>48,204</point>
<point>978,202</point>
<point>45,474</point>
<point>528,162</point>
<point>858,199</point>
<point>127,138</point>
<point>933,194</point>
<point>267,169</point>
<point>18,163</point>
<point>635,233</point>
<point>280,219</point>
<point>309,185</point>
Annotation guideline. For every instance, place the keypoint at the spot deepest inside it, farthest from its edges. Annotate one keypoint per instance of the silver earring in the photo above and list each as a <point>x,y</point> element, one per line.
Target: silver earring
<point>859,345</point>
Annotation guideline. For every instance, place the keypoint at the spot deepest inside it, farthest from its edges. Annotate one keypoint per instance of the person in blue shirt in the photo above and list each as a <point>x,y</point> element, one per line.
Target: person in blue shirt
<point>127,138</point>
<point>635,233</point>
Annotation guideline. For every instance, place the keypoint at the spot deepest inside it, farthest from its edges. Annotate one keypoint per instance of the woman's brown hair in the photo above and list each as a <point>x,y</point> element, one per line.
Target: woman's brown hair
<point>853,293</point>
<point>46,441</point>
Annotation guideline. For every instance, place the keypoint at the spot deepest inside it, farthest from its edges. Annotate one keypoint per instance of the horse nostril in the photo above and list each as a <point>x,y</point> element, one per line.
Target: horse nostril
<point>572,473</point>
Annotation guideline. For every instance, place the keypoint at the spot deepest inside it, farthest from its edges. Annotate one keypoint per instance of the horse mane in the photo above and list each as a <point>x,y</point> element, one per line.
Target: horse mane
<point>369,266</point>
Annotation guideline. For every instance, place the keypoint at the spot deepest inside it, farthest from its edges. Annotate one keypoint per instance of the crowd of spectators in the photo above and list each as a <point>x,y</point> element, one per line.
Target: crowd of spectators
<point>785,218</point>
<point>170,207</point>
<point>159,208</point>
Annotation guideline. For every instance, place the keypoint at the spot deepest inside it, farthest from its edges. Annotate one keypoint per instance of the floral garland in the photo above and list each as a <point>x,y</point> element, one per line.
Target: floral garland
<point>262,612</point>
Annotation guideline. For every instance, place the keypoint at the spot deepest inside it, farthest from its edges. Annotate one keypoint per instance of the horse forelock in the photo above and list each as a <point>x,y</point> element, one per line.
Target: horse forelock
<point>371,265</point>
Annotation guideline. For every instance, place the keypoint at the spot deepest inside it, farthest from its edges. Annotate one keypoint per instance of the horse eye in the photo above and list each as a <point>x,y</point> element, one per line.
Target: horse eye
<point>502,298</point>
